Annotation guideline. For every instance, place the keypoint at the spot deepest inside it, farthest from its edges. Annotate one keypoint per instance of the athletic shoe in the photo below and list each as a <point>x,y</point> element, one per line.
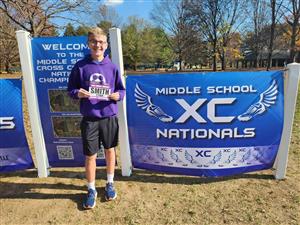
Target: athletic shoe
<point>110,192</point>
<point>90,201</point>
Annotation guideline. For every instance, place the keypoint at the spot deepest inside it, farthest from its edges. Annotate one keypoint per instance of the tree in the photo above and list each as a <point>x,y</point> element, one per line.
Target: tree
<point>131,40</point>
<point>257,39</point>
<point>292,17</point>
<point>82,30</point>
<point>191,47</point>
<point>154,47</point>
<point>144,44</point>
<point>70,30</point>
<point>215,19</point>
<point>8,44</point>
<point>275,7</point>
<point>204,16</point>
<point>232,13</point>
<point>105,25</point>
<point>233,51</point>
<point>283,36</point>
<point>170,15</point>
<point>108,18</point>
<point>148,46</point>
<point>36,16</point>
<point>286,39</point>
<point>163,54</point>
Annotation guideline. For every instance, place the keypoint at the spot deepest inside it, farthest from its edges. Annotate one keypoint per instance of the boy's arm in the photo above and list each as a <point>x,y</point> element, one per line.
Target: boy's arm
<point>74,83</point>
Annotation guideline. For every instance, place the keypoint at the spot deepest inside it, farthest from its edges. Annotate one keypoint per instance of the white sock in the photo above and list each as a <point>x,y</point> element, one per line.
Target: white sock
<point>91,185</point>
<point>110,178</point>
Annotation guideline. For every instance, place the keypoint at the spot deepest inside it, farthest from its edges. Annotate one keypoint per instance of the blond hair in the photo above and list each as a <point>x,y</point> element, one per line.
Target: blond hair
<point>96,31</point>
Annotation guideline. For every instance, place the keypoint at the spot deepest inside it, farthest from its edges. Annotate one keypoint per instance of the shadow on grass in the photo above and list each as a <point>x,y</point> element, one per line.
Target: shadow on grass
<point>155,177</point>
<point>139,176</point>
<point>36,189</point>
<point>11,190</point>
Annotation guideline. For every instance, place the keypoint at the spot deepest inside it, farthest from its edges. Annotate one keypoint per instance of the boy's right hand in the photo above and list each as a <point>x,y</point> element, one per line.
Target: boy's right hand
<point>82,93</point>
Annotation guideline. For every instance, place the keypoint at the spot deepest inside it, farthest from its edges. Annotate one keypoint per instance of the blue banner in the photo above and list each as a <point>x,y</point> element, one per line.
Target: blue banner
<point>14,151</point>
<point>53,60</point>
<point>205,124</point>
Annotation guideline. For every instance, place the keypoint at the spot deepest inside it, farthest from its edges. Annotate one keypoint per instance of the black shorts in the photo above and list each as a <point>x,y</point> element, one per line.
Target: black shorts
<point>95,130</point>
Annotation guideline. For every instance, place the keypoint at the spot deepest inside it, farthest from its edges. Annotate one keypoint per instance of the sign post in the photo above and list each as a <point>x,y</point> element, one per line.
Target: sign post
<point>24,45</point>
<point>117,58</point>
<point>290,98</point>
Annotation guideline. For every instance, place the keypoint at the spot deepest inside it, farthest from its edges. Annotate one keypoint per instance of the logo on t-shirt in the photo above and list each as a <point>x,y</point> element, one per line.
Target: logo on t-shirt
<point>98,87</point>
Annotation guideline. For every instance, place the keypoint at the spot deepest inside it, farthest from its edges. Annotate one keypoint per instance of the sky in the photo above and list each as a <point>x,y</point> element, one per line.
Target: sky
<point>126,8</point>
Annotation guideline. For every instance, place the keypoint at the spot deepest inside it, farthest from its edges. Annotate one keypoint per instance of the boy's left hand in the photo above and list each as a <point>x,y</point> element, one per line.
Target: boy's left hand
<point>114,96</point>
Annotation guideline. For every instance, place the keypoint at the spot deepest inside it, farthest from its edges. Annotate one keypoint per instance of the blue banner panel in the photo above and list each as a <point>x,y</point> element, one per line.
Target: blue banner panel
<point>205,124</point>
<point>14,151</point>
<point>53,60</point>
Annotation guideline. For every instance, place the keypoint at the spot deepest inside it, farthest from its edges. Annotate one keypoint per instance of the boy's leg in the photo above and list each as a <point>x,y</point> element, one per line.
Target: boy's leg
<point>109,129</point>
<point>110,156</point>
<point>90,173</point>
<point>90,168</point>
<point>90,140</point>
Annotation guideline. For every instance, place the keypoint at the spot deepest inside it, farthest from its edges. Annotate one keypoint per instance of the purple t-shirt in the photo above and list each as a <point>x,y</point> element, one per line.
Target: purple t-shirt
<point>100,79</point>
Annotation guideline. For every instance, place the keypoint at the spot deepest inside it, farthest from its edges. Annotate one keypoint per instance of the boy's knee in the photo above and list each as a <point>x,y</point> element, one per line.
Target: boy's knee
<point>90,157</point>
<point>110,150</point>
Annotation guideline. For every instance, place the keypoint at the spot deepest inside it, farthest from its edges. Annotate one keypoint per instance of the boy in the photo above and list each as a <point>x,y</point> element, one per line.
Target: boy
<point>96,81</point>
